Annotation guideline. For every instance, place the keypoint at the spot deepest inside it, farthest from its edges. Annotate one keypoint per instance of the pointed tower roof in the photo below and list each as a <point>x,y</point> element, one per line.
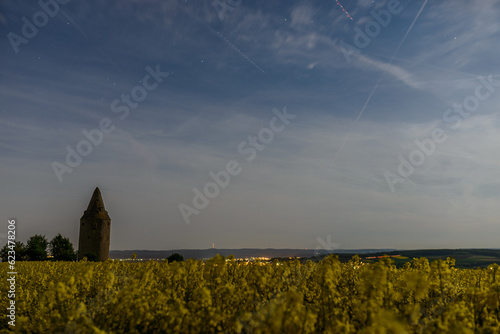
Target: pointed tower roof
<point>96,206</point>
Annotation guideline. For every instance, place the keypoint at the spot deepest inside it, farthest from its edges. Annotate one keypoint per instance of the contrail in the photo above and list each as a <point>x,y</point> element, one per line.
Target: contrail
<point>346,138</point>
<point>240,52</point>
<point>218,34</point>
<point>409,29</point>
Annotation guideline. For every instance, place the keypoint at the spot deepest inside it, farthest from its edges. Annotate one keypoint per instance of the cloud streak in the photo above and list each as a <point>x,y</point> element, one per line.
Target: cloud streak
<point>354,119</point>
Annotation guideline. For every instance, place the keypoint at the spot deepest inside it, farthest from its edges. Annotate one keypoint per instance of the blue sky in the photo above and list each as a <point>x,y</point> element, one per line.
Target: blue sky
<point>346,165</point>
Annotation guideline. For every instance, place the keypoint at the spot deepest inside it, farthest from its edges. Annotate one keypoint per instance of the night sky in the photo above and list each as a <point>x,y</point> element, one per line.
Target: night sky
<point>263,124</point>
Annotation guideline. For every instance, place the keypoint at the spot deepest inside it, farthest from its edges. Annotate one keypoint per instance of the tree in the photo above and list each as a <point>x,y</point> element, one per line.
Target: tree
<point>134,255</point>
<point>19,249</point>
<point>175,257</point>
<point>62,249</point>
<point>36,248</point>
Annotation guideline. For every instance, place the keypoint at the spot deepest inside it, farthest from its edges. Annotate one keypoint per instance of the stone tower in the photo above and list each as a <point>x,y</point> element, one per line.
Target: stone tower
<point>95,229</point>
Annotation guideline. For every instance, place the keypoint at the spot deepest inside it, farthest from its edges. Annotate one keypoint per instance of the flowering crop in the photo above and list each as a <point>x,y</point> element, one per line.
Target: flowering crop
<point>223,296</point>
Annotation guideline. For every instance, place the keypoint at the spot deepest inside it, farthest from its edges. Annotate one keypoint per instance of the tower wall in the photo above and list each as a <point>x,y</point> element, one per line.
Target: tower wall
<point>95,229</point>
<point>95,234</point>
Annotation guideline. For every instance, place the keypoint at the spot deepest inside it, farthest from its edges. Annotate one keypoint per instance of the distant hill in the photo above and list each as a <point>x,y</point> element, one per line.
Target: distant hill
<point>465,258</point>
<point>238,253</point>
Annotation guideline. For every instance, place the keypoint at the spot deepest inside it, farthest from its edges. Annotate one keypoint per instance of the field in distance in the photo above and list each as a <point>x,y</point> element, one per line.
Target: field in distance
<point>465,258</point>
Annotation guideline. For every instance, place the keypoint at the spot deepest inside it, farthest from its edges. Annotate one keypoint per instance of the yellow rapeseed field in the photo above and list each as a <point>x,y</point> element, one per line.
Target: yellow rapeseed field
<point>222,296</point>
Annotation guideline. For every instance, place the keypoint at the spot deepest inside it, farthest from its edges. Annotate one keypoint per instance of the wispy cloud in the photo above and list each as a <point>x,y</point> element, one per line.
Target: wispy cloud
<point>65,80</point>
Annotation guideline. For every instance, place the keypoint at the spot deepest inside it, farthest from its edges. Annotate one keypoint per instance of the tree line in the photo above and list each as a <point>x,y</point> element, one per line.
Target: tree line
<point>37,248</point>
